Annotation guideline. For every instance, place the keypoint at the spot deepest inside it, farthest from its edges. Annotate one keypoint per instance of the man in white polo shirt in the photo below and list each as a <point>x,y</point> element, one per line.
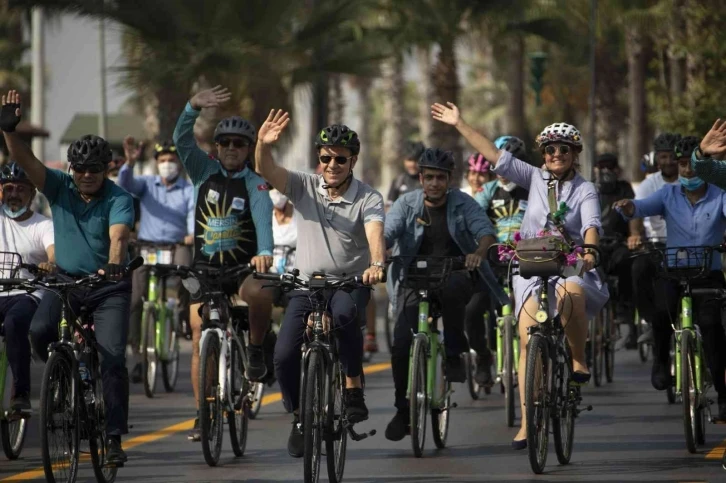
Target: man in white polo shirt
<point>340,232</point>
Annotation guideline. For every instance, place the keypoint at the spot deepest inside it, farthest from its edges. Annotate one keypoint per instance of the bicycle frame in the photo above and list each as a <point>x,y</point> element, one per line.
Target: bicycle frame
<point>156,290</point>
<point>4,365</point>
<point>507,315</point>
<point>686,323</point>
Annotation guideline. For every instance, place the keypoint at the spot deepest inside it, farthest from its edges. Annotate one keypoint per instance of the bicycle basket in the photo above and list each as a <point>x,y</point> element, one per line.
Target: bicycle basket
<point>682,263</point>
<point>422,274</point>
<point>10,263</point>
<point>540,257</point>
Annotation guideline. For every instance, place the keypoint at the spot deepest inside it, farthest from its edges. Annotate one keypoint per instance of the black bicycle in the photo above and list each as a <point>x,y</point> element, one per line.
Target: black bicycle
<point>322,405</point>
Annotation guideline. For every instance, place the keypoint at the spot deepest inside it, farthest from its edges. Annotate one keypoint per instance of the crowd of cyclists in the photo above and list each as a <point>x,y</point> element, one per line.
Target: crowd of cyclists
<point>239,206</point>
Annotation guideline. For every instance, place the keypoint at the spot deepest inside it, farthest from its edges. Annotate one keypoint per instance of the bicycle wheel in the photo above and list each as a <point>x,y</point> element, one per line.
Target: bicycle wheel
<point>238,415</point>
<point>536,398</point>
<point>470,364</point>
<point>97,434</point>
<point>170,366</point>
<point>442,394</point>
<point>643,347</point>
<point>258,392</point>
<point>418,401</point>
<point>313,419</point>
<point>671,389</point>
<point>210,405</point>
<point>389,321</point>
<point>12,430</point>
<point>689,392</point>
<point>508,374</point>
<point>596,358</point>
<point>148,350</point>
<point>59,424</point>
<point>610,336</point>
<point>336,440</point>
<point>563,418</point>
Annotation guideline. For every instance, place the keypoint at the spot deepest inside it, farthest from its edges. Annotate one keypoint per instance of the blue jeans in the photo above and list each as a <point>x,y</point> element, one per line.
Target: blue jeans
<point>16,312</point>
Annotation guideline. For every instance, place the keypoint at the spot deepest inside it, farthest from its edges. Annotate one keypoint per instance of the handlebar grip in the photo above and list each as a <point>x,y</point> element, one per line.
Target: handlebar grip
<point>12,281</point>
<point>275,277</point>
<point>133,265</point>
<point>718,292</point>
<point>596,249</point>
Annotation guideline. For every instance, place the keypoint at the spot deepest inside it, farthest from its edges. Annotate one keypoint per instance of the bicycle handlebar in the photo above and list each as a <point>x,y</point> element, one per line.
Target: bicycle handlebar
<point>493,254</point>
<point>291,281</point>
<point>717,292</point>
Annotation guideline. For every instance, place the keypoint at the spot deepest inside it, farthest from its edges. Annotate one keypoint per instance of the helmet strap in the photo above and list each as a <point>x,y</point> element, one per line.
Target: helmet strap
<point>347,178</point>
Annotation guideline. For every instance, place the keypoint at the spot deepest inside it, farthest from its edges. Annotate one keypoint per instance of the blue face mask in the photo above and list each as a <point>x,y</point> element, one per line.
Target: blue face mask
<point>14,214</point>
<point>691,184</point>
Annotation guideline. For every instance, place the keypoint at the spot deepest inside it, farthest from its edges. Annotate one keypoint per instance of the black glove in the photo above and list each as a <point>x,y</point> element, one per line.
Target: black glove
<point>112,269</point>
<point>8,119</point>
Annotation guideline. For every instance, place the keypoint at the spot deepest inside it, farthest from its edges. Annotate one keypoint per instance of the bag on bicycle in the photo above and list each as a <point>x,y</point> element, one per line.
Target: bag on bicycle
<point>540,257</point>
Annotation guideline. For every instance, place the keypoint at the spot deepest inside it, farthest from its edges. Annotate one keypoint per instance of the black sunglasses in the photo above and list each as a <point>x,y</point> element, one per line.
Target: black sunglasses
<point>551,150</point>
<point>93,169</point>
<point>237,143</point>
<point>339,160</point>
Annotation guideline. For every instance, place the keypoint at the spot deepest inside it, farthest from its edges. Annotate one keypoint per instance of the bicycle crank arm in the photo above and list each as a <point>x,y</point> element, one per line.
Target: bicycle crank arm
<point>578,410</point>
<point>453,406</point>
<point>359,437</point>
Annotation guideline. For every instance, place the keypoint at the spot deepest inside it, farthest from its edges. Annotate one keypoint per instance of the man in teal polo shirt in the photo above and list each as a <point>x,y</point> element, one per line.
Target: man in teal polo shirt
<point>92,219</point>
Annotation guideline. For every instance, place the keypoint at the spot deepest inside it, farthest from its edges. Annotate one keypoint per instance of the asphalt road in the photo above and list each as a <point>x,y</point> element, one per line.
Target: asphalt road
<point>631,435</point>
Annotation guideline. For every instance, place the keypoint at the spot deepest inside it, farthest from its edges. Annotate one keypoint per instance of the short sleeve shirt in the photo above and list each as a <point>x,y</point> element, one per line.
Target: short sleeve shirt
<point>331,233</point>
<point>82,240</point>
<point>29,238</point>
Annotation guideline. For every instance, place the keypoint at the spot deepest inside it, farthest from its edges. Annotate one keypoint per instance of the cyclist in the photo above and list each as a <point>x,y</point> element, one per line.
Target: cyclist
<point>709,159</point>
<point>577,297</point>
<point>695,215</point>
<point>478,174</point>
<point>92,219</point>
<point>30,235</point>
<point>167,216</point>
<point>340,232</point>
<point>408,180</point>
<point>284,232</point>
<point>233,221</point>
<point>436,221</point>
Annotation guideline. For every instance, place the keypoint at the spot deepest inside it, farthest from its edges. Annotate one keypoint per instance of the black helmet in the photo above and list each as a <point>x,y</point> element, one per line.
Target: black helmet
<point>607,160</point>
<point>436,158</point>
<point>89,150</point>
<point>164,147</point>
<point>685,146</point>
<point>13,173</point>
<point>413,150</point>
<point>666,141</point>
<point>338,135</point>
<point>516,146</point>
<point>237,126</point>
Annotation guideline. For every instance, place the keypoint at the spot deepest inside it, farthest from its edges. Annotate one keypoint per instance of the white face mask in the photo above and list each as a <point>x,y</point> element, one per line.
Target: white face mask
<point>168,170</point>
<point>279,200</point>
<point>506,186</point>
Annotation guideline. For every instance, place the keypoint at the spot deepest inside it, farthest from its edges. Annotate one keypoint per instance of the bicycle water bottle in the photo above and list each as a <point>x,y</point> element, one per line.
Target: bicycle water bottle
<point>214,316</point>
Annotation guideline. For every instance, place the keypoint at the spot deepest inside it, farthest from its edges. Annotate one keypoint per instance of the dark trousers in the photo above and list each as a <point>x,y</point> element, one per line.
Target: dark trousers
<point>644,271</point>
<point>140,280</point>
<point>109,305</point>
<point>453,297</point>
<point>619,264</point>
<point>16,312</point>
<point>348,311</point>
<point>475,324</point>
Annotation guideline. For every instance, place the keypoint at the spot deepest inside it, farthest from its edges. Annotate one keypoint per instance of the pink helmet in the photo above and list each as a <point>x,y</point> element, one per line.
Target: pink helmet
<point>478,164</point>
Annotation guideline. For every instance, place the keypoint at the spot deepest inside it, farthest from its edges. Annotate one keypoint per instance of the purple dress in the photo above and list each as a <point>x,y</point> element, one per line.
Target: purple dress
<point>584,213</point>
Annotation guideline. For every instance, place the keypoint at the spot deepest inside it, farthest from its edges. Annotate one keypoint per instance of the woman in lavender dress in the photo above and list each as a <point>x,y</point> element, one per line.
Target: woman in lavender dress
<point>577,297</point>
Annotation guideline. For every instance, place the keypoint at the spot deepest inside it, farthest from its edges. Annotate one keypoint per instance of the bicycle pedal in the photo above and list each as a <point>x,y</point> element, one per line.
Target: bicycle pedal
<point>113,465</point>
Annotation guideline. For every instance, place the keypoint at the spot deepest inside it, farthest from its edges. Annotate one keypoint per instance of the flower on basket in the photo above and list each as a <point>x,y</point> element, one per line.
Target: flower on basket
<point>508,250</point>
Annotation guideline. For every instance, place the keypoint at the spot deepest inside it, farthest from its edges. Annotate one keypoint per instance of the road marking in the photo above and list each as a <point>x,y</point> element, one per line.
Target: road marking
<point>717,452</point>
<point>173,429</point>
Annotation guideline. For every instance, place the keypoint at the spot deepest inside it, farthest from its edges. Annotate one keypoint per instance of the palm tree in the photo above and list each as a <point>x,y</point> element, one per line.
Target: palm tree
<point>14,72</point>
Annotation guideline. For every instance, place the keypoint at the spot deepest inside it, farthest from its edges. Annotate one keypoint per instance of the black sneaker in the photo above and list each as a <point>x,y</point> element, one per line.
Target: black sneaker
<point>137,373</point>
<point>296,441</point>
<point>20,403</point>
<point>256,369</point>
<point>455,370</point>
<point>195,434</point>
<point>660,377</point>
<point>400,426</point>
<point>483,375</point>
<point>355,405</point>
<point>115,455</point>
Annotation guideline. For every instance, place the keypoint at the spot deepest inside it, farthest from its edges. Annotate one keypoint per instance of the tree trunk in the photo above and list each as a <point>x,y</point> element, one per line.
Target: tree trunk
<point>366,168</point>
<point>336,103</point>
<point>676,61</point>
<point>171,102</point>
<point>516,123</point>
<point>425,90</point>
<point>393,106</point>
<point>635,45</point>
<point>446,89</point>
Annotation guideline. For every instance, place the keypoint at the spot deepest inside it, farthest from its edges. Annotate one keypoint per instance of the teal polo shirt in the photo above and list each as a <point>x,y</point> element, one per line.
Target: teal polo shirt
<point>81,229</point>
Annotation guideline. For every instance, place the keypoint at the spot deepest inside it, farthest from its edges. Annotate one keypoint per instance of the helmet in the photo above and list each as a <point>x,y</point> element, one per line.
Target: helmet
<point>607,160</point>
<point>478,164</point>
<point>685,146</point>
<point>666,141</point>
<point>164,147</point>
<point>560,133</point>
<point>501,141</point>
<point>13,173</point>
<point>237,126</point>
<point>413,150</point>
<point>89,150</point>
<point>436,158</point>
<point>515,146</point>
<point>338,135</point>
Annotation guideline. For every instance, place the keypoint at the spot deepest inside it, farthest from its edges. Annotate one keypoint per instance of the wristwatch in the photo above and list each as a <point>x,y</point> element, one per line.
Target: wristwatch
<point>379,265</point>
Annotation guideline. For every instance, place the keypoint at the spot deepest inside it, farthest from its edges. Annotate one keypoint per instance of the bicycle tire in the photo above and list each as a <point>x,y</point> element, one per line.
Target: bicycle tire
<point>508,375</point>
<point>210,405</point>
<point>596,349</point>
<point>418,401</point>
<point>388,324</point>
<point>336,442</point>
<point>440,416</point>
<point>671,389</point>
<point>643,347</point>
<point>689,392</point>
<point>12,431</point>
<point>97,434</point>
<point>148,350</point>
<point>609,339</point>
<point>471,384</point>
<point>563,418</point>
<point>238,414</point>
<point>170,367</point>
<point>59,368</point>
<point>536,396</point>
<point>313,419</point>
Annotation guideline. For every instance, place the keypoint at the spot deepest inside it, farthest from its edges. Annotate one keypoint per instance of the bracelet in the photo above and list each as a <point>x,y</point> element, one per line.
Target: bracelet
<point>380,265</point>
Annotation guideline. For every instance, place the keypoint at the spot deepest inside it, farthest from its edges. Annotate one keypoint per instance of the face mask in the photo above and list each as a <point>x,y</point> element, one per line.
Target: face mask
<point>506,186</point>
<point>607,182</point>
<point>168,170</point>
<point>279,200</point>
<point>691,184</point>
<point>14,214</point>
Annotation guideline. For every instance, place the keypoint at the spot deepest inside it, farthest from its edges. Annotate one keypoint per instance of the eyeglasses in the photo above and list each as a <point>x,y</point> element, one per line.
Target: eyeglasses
<point>93,169</point>
<point>552,149</point>
<point>237,143</point>
<point>339,160</point>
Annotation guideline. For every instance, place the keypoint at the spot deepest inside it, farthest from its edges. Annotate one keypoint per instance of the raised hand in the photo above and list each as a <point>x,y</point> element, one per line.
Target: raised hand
<point>10,113</point>
<point>448,114</point>
<point>272,128</point>
<point>132,150</point>
<point>714,142</point>
<point>210,98</point>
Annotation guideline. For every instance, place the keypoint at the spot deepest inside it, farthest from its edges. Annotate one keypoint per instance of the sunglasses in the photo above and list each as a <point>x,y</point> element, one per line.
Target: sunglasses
<point>551,150</point>
<point>339,160</point>
<point>93,169</point>
<point>237,143</point>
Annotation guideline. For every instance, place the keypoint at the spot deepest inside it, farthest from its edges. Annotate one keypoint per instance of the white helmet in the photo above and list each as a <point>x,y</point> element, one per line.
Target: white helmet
<point>560,133</point>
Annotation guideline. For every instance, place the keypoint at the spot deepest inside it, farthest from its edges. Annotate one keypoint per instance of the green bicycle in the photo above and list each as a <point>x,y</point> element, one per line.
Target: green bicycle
<point>507,356</point>
<point>160,320</point>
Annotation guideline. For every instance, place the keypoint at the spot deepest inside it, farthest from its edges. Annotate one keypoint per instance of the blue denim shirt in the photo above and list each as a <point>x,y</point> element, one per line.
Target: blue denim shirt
<point>467,223</point>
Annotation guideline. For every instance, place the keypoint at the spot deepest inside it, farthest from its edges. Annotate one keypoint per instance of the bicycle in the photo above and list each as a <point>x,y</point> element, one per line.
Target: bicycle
<point>470,363</point>
<point>159,320</point>
<point>643,331</point>
<point>322,381</point>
